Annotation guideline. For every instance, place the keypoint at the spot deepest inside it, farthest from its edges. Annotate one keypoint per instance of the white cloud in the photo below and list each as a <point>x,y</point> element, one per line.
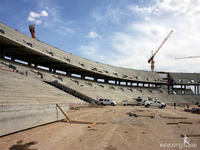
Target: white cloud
<point>92,35</point>
<point>131,46</point>
<point>108,14</point>
<point>35,17</point>
<point>91,51</point>
<point>183,17</point>
<point>54,21</point>
<point>44,13</point>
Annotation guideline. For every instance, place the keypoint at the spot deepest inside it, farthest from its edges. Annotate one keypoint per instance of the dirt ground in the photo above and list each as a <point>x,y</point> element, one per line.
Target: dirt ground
<point>120,131</point>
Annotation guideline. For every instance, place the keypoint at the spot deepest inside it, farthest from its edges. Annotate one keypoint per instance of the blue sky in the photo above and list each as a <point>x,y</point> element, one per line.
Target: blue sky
<point>116,32</point>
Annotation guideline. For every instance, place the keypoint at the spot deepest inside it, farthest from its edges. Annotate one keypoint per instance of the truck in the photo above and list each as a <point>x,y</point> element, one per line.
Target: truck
<point>154,103</point>
<point>107,102</point>
<point>134,102</point>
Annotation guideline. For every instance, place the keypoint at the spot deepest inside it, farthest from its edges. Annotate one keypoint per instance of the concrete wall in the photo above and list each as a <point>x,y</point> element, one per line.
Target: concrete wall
<point>17,117</point>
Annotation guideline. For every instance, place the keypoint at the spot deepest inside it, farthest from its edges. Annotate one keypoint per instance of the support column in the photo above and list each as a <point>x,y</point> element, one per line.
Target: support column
<point>12,58</point>
<point>29,63</point>
<point>36,65</point>
<point>95,78</point>
<point>181,89</point>
<point>195,90</point>
<point>68,73</point>
<point>82,76</point>
<point>184,89</point>
<point>106,80</point>
<point>50,68</point>
<point>2,53</point>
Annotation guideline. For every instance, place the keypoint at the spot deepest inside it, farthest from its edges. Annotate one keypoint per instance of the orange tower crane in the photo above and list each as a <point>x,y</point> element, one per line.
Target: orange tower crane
<point>151,59</point>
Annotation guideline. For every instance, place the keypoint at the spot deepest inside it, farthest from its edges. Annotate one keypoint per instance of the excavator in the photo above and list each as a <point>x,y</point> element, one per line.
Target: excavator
<point>151,59</point>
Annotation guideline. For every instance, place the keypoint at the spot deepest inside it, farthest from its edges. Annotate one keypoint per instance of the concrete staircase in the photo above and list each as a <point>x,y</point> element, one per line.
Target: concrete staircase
<point>72,92</point>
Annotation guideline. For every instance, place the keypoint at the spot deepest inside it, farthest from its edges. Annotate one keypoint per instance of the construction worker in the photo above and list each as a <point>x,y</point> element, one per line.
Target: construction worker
<point>174,106</point>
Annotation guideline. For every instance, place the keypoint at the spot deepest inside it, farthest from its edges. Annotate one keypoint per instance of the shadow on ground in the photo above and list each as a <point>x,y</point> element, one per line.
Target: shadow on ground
<point>20,146</point>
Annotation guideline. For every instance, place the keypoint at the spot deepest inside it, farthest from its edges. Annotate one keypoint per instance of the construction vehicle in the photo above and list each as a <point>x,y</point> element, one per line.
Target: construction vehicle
<point>151,59</point>
<point>107,102</point>
<point>154,103</point>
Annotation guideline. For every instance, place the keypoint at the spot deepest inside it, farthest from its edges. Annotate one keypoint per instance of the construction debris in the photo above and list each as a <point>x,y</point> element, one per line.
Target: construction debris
<point>172,123</point>
<point>176,123</point>
<point>185,122</point>
<point>75,108</point>
<point>172,117</point>
<point>140,115</point>
<point>68,120</point>
<point>92,125</point>
<point>78,121</point>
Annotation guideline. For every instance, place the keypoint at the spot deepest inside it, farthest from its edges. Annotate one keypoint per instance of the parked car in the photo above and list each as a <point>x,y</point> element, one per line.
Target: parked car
<point>154,103</point>
<point>107,102</point>
<point>135,102</point>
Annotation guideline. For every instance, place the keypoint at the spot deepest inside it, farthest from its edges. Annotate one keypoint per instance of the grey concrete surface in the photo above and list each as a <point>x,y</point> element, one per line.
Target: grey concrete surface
<point>17,117</point>
<point>185,78</point>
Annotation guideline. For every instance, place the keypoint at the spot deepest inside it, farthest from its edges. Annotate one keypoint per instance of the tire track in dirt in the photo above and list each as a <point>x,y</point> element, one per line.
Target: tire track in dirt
<point>108,136</point>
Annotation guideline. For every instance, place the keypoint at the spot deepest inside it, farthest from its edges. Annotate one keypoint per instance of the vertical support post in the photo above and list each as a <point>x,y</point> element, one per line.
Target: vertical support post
<point>184,89</point>
<point>2,53</point>
<point>82,76</point>
<point>95,78</point>
<point>12,58</point>
<point>106,80</point>
<point>50,68</point>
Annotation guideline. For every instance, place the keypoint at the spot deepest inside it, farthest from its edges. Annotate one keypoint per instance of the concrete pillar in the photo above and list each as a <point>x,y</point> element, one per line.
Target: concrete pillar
<point>29,63</point>
<point>50,68</point>
<point>82,76</point>
<point>95,78</point>
<point>181,89</point>
<point>2,53</point>
<point>68,73</point>
<point>12,58</point>
<point>197,89</point>
<point>184,89</point>
<point>106,80</point>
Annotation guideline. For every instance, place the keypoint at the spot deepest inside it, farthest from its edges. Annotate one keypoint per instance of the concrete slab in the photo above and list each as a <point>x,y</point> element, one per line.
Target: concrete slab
<point>17,117</point>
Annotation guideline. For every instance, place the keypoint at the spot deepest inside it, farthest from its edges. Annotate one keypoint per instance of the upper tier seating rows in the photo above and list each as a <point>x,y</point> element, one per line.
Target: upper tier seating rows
<point>19,39</point>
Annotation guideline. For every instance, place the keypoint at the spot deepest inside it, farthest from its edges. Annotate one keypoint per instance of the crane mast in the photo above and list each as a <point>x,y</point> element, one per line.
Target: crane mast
<point>151,59</point>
